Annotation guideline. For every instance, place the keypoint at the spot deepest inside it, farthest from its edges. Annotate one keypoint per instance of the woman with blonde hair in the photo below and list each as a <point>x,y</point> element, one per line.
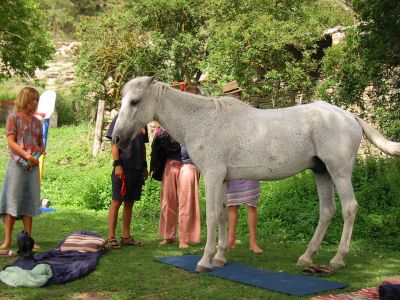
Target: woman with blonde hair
<point>20,196</point>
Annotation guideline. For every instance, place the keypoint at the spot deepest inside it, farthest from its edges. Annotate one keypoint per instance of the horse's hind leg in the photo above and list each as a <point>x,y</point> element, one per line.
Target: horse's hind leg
<point>349,203</point>
<point>327,210</point>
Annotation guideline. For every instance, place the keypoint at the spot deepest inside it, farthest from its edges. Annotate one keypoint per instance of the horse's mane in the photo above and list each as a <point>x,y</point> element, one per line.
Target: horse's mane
<point>223,103</point>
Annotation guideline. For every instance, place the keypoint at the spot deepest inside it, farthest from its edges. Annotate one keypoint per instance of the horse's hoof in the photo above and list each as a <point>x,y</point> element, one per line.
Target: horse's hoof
<point>304,262</point>
<point>218,263</point>
<point>335,266</point>
<point>201,269</point>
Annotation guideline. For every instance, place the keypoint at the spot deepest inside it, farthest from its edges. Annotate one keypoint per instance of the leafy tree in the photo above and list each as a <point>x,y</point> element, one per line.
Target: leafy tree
<point>25,42</point>
<point>64,15</point>
<point>111,52</point>
<point>142,38</point>
<point>370,55</point>
<point>269,43</point>
<point>252,41</point>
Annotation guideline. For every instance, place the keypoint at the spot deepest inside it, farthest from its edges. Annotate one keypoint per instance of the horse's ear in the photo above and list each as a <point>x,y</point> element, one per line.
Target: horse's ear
<point>151,78</point>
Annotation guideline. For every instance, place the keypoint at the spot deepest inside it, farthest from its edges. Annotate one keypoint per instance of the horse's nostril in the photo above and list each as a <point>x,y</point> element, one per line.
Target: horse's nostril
<point>116,139</point>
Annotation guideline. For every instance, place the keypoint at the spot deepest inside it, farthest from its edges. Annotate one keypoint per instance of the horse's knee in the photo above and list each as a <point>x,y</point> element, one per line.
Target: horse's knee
<point>328,211</point>
<point>350,209</point>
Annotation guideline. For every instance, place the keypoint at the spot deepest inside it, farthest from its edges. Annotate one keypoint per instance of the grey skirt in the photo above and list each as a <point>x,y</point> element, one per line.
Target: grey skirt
<point>20,195</point>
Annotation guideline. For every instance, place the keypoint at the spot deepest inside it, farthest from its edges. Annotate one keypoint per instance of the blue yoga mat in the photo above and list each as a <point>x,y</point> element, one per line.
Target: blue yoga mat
<point>297,285</point>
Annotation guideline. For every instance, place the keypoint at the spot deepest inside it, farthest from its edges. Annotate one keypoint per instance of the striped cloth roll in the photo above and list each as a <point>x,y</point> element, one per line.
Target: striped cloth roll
<point>83,243</point>
<point>243,191</point>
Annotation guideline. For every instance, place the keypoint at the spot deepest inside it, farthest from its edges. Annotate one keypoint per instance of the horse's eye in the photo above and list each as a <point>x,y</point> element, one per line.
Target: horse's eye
<point>133,103</point>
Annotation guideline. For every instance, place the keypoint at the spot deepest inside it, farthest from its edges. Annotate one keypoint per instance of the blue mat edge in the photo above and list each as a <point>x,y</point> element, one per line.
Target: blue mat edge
<point>333,285</point>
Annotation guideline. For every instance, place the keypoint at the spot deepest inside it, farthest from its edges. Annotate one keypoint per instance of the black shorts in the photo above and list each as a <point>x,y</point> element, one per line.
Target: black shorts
<point>134,182</point>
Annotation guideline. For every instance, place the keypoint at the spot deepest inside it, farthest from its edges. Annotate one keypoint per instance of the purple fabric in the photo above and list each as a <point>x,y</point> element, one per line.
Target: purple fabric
<point>243,191</point>
<point>65,265</point>
<point>185,156</point>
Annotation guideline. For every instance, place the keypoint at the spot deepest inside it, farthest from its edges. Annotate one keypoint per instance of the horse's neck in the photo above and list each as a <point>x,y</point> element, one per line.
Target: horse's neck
<point>175,113</point>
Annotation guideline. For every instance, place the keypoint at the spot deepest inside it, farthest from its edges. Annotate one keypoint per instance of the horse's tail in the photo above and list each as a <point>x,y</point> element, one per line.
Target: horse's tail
<point>376,138</point>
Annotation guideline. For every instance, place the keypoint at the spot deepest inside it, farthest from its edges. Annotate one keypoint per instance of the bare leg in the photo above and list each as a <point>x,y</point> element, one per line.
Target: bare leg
<point>9,225</point>
<point>27,221</point>
<point>252,223</point>
<point>232,220</point>
<point>127,219</point>
<point>112,218</point>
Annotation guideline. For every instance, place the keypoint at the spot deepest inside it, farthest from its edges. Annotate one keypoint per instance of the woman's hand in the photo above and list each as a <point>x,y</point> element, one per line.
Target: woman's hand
<point>33,161</point>
<point>119,171</point>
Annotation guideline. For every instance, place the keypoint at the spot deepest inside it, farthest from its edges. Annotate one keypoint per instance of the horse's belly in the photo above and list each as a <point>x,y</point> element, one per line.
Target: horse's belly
<point>272,171</point>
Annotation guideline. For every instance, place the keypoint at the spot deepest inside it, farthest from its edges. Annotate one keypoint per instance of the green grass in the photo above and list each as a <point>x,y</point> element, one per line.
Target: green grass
<point>131,273</point>
<point>74,181</point>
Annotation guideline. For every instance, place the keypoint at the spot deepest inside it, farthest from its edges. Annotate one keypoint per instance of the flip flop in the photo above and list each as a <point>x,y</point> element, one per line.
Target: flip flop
<point>7,253</point>
<point>323,270</point>
<point>310,270</point>
<point>318,270</point>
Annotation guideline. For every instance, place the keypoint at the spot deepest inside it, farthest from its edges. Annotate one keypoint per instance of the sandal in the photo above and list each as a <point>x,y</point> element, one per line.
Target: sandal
<point>130,241</point>
<point>310,270</point>
<point>324,270</point>
<point>112,243</point>
<point>7,253</point>
<point>319,270</point>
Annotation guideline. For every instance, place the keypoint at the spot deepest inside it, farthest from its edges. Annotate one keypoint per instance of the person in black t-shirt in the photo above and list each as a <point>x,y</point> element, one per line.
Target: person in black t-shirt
<point>128,176</point>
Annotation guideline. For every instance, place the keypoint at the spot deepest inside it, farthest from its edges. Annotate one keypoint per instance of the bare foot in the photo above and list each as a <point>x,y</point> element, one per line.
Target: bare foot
<point>5,245</point>
<point>183,245</point>
<point>256,249</point>
<point>36,246</point>
<point>232,244</point>
<point>167,242</point>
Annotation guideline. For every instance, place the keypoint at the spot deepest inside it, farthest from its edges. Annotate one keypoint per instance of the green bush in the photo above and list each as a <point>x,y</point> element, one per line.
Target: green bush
<point>65,110</point>
<point>149,205</point>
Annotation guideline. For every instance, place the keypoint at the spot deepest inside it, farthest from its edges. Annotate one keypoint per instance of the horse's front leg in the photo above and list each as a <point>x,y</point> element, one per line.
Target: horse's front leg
<point>220,259</point>
<point>213,185</point>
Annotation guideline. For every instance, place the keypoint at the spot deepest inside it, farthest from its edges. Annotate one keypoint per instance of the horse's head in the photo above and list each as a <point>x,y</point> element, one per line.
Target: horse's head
<point>137,109</point>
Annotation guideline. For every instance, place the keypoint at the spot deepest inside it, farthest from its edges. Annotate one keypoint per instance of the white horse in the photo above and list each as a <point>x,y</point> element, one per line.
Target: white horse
<point>228,139</point>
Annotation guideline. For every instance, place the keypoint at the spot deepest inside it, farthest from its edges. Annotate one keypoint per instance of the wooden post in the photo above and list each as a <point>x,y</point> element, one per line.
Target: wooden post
<point>98,129</point>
